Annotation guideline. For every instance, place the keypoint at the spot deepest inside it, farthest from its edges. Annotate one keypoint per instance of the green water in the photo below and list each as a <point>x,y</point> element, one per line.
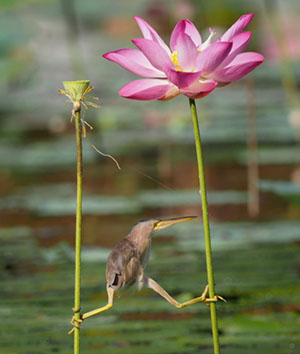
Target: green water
<point>256,259</point>
<point>260,283</point>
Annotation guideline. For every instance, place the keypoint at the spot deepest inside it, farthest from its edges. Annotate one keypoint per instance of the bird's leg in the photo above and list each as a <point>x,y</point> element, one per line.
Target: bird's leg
<point>75,322</point>
<point>150,283</point>
<point>110,294</point>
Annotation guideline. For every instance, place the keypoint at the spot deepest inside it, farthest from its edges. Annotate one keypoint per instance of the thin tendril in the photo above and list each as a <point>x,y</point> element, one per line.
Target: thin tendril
<point>107,155</point>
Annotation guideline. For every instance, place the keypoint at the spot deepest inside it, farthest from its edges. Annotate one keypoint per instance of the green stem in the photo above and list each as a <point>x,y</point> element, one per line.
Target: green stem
<point>78,230</point>
<point>210,274</point>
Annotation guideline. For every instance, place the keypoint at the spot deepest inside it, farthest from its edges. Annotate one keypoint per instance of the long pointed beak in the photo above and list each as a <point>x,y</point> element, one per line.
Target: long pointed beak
<point>161,224</point>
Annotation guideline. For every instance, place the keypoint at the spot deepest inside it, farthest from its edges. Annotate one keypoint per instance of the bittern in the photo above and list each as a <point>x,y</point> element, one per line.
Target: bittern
<point>127,262</point>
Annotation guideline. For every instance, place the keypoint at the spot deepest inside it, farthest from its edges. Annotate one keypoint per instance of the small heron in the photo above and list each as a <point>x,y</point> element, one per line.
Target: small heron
<point>127,262</point>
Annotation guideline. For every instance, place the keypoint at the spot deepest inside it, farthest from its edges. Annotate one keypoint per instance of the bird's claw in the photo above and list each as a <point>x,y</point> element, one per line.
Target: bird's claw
<point>209,300</point>
<point>221,298</point>
<point>75,322</point>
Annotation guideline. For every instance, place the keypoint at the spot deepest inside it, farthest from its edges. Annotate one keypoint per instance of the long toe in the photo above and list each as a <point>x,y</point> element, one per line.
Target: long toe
<point>221,298</point>
<point>75,323</point>
<point>216,298</point>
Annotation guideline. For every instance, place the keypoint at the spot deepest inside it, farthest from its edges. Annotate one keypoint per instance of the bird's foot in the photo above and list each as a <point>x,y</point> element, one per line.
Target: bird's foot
<point>208,300</point>
<point>203,298</point>
<point>75,322</point>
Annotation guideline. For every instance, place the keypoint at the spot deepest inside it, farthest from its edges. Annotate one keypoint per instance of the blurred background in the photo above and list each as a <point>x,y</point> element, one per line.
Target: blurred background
<point>251,134</point>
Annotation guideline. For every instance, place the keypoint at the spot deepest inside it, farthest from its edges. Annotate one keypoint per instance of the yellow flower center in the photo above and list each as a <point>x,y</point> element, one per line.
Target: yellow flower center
<point>174,58</point>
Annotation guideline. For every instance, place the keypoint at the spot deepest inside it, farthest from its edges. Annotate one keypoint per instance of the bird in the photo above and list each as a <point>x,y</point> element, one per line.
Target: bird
<point>126,267</point>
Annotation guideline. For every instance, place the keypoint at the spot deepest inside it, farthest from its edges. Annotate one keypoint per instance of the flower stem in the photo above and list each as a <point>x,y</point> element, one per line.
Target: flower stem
<point>202,191</point>
<point>78,229</point>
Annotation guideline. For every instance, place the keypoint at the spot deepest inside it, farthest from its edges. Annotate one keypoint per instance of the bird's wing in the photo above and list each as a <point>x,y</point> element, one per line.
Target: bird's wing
<point>145,257</point>
<point>122,265</point>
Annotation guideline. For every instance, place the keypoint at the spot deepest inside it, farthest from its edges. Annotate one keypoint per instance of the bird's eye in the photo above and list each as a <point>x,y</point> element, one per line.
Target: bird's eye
<point>116,280</point>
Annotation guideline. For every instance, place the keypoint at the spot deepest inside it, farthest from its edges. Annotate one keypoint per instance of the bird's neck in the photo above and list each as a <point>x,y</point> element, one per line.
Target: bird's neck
<point>140,236</point>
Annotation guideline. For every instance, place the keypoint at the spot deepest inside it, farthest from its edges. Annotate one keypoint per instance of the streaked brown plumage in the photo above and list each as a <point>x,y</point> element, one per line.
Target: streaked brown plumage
<point>128,259</point>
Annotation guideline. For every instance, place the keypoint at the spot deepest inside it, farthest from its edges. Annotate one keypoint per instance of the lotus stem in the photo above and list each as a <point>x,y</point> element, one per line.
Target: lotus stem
<point>78,125</point>
<point>76,92</point>
<point>208,253</point>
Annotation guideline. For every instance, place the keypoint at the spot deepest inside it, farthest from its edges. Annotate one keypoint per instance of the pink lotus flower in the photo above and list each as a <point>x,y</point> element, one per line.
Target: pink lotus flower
<point>191,67</point>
